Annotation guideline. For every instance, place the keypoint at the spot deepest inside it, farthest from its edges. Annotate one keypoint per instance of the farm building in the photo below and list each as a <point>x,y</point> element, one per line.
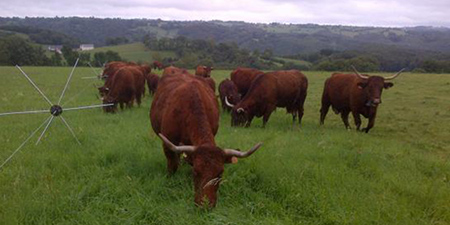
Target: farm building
<point>86,47</point>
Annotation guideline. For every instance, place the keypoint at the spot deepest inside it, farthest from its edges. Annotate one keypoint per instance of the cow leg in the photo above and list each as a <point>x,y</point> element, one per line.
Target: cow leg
<point>369,125</point>
<point>173,160</point>
<point>138,99</point>
<point>121,105</point>
<point>357,119</point>
<point>323,111</point>
<point>129,105</point>
<point>267,114</point>
<point>344,116</point>
<point>266,118</point>
<point>300,115</point>
<point>249,121</point>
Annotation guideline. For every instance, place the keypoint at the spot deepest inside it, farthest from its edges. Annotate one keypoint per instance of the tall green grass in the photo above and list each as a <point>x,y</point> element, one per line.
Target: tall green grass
<point>397,174</point>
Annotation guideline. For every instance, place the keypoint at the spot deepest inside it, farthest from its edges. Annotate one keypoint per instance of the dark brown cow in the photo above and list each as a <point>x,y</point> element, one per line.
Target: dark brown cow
<point>203,71</point>
<point>111,69</point>
<point>152,83</point>
<point>139,82</point>
<point>157,65</point>
<point>243,77</point>
<point>229,94</point>
<point>174,70</point>
<point>122,90</point>
<point>285,88</point>
<point>355,93</point>
<point>185,112</point>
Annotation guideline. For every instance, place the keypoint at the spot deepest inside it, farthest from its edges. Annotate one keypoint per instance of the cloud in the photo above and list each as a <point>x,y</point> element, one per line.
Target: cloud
<point>343,12</point>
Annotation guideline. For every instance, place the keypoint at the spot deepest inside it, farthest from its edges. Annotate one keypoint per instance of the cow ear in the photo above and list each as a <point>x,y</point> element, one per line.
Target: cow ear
<point>362,85</point>
<point>388,85</point>
<point>231,159</point>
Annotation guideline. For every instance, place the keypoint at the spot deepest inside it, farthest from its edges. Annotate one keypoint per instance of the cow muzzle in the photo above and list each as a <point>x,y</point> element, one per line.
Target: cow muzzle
<point>373,103</point>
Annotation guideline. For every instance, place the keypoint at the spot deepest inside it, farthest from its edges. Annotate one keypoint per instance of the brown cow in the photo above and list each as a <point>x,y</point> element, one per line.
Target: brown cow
<point>285,88</point>
<point>243,77</point>
<point>203,71</point>
<point>122,90</point>
<point>174,70</point>
<point>185,112</point>
<point>152,83</point>
<point>157,65</point>
<point>111,69</point>
<point>356,93</point>
<point>229,94</point>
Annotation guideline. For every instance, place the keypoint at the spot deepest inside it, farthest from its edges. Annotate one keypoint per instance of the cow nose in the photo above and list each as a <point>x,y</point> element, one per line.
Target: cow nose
<point>376,101</point>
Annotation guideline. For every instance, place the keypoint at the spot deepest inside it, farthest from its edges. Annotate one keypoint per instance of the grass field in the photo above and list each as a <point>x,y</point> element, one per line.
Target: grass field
<point>399,173</point>
<point>134,52</point>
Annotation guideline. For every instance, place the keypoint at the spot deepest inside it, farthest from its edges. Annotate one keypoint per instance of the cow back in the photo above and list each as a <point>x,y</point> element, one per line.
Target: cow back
<point>185,110</point>
<point>243,77</point>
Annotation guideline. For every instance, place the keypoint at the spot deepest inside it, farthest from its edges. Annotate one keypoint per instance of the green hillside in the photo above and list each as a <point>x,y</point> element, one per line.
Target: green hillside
<point>135,52</point>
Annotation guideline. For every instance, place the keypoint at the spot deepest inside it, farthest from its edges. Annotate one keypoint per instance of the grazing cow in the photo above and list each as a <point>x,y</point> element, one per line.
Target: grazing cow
<point>355,93</point>
<point>122,90</point>
<point>174,70</point>
<point>185,112</point>
<point>203,71</point>
<point>157,65</point>
<point>152,83</point>
<point>139,82</point>
<point>111,69</point>
<point>229,94</point>
<point>285,88</point>
<point>243,77</point>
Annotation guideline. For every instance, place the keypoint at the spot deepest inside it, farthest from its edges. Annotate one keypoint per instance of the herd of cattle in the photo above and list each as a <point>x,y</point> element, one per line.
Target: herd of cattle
<point>185,111</point>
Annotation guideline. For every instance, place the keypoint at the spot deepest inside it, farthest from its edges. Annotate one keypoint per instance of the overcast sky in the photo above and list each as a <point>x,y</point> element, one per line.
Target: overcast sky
<point>345,12</point>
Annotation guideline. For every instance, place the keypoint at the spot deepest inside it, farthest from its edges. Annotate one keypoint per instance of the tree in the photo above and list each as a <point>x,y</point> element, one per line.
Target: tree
<point>56,59</point>
<point>19,51</point>
<point>69,55</point>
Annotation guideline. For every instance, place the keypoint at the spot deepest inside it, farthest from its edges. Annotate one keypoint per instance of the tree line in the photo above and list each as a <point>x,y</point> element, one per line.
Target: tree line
<point>15,50</point>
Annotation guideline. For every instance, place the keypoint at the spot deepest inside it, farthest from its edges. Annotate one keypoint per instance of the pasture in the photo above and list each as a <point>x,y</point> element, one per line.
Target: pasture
<point>399,173</point>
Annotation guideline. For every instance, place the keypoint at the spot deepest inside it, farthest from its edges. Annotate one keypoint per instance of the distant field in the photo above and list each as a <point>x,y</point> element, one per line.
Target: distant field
<point>134,52</point>
<point>399,173</point>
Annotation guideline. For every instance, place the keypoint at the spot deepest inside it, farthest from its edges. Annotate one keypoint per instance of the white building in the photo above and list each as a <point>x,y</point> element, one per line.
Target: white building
<point>55,48</point>
<point>86,47</point>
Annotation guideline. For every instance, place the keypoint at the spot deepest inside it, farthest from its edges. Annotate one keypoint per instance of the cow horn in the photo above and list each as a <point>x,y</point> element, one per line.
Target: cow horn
<point>178,149</point>
<point>236,153</point>
<point>240,110</point>
<point>395,75</point>
<point>359,75</point>
<point>228,103</point>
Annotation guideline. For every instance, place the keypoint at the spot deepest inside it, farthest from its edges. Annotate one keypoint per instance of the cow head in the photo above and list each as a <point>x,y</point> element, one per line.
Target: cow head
<point>208,165</point>
<point>146,69</point>
<point>239,116</point>
<point>103,91</point>
<point>208,70</point>
<point>373,86</point>
<point>108,100</point>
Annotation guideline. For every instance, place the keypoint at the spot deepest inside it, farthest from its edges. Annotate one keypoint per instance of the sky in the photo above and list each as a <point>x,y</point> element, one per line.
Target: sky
<point>385,13</point>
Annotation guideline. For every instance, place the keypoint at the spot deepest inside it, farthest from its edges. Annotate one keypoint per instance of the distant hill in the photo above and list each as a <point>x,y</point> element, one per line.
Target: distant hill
<point>283,39</point>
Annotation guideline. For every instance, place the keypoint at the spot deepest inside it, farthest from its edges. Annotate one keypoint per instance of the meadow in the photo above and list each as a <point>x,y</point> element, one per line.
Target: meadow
<point>398,173</point>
